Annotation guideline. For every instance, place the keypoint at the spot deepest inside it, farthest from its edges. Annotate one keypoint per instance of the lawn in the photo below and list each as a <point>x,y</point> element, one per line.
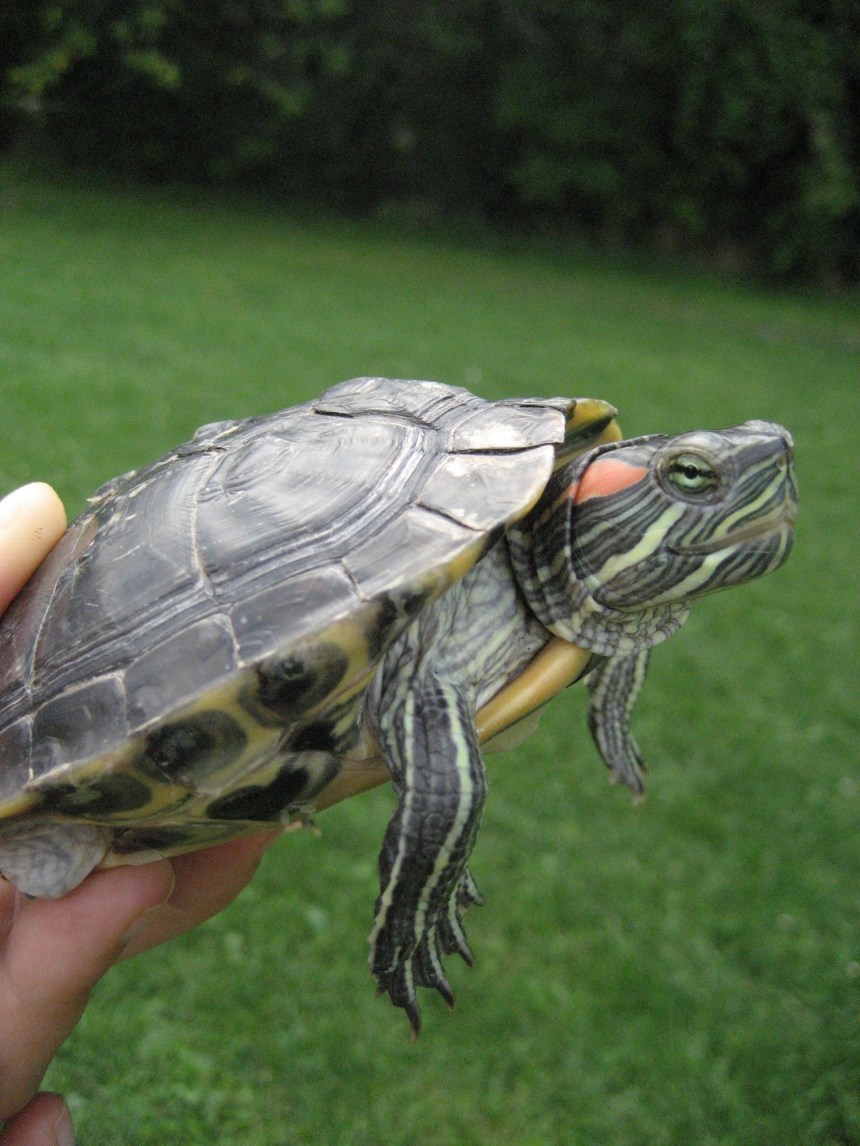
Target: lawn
<point>684,971</point>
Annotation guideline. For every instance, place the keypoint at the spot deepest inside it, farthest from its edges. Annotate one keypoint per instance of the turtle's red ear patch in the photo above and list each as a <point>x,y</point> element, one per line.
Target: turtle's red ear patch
<point>605,477</point>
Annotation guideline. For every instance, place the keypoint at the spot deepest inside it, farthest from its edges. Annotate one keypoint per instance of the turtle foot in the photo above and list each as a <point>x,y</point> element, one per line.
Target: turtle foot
<point>423,968</point>
<point>46,861</point>
<point>399,969</point>
<point>613,688</point>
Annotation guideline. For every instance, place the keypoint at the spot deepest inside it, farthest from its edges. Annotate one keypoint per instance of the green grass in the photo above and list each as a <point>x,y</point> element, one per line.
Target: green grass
<point>687,971</point>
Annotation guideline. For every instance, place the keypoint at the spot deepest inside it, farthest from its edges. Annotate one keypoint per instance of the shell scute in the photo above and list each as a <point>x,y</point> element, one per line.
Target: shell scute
<point>207,651</point>
<point>15,747</point>
<point>75,724</point>
<point>480,490</point>
<point>309,600</point>
<point>523,426</point>
<point>412,541</point>
<point>131,580</point>
<point>422,401</point>
<point>24,620</point>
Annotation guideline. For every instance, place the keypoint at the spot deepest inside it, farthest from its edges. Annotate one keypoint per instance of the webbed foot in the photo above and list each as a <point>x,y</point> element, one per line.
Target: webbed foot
<point>399,963</point>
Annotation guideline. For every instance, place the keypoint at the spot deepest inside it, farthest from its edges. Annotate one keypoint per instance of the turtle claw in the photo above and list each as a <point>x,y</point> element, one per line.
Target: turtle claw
<point>468,894</point>
<point>452,934</point>
<point>423,968</point>
<point>429,971</point>
<point>413,1014</point>
<point>399,985</point>
<point>444,989</point>
<point>453,939</point>
<point>398,971</point>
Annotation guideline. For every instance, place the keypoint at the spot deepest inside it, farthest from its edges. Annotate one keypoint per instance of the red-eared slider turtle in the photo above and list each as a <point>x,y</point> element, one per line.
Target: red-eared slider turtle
<point>381,574</point>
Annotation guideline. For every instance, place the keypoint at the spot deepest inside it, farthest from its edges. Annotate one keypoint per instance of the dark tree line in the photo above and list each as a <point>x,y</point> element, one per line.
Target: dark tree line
<point>714,125</point>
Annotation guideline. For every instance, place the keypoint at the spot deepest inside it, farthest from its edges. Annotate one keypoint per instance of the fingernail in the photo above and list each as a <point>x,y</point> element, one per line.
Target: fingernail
<point>64,1131</point>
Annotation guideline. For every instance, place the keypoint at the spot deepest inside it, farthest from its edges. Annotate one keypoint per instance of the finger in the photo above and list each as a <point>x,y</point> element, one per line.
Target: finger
<point>206,881</point>
<point>32,520</point>
<point>67,944</point>
<point>45,1121</point>
<point>53,955</point>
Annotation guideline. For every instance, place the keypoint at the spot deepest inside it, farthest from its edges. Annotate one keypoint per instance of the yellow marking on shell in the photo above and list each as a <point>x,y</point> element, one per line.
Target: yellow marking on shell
<point>588,411</point>
<point>257,754</point>
<point>171,801</point>
<point>206,834</point>
<point>612,433</point>
<point>436,581</point>
<point>18,804</point>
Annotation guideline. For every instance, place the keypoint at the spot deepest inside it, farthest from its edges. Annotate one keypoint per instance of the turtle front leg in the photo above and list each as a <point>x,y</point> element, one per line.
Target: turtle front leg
<point>613,687</point>
<point>428,737</point>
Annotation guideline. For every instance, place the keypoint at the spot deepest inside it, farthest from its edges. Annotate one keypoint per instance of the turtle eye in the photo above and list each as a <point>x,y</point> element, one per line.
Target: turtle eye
<point>691,474</point>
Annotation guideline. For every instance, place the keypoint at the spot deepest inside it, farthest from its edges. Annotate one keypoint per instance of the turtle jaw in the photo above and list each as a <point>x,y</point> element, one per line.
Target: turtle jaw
<point>776,525</point>
<point>760,547</point>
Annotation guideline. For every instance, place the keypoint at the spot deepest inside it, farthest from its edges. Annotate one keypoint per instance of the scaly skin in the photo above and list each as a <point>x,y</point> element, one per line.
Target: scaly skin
<point>421,708</point>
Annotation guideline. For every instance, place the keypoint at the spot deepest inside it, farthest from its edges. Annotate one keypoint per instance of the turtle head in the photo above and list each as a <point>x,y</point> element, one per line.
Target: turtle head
<point>628,534</point>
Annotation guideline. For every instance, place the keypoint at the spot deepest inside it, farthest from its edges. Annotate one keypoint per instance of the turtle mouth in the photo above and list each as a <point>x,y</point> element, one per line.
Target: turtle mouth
<point>780,522</point>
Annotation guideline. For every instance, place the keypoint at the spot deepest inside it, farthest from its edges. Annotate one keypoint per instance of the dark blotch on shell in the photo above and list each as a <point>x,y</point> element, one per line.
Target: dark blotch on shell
<point>396,610</point>
<point>154,839</point>
<point>104,796</point>
<point>335,733</point>
<point>290,686</point>
<point>317,737</point>
<point>294,784</point>
<point>187,750</point>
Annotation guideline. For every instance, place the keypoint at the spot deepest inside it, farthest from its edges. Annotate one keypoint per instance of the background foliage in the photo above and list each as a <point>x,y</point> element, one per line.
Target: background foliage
<point>724,126</point>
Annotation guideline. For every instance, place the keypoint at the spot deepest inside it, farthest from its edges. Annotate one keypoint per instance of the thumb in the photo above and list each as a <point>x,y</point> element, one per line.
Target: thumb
<point>32,520</point>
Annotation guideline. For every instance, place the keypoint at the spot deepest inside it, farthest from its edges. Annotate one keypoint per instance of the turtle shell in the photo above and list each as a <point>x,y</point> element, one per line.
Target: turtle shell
<point>190,658</point>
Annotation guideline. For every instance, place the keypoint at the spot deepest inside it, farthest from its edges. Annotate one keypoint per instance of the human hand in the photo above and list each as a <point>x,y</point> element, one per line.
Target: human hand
<point>53,952</point>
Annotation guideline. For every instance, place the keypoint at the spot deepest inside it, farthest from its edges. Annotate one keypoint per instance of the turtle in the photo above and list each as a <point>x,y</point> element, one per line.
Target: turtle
<point>386,581</point>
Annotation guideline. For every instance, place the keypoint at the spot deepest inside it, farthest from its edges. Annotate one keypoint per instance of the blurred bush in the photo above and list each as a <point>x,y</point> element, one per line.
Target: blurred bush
<point>726,127</point>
